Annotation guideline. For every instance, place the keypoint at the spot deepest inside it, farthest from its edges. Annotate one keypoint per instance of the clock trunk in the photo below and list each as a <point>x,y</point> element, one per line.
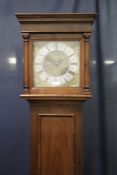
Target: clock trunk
<point>57,138</point>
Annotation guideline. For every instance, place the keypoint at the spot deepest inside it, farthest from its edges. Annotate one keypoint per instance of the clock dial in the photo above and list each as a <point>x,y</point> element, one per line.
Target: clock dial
<point>56,64</point>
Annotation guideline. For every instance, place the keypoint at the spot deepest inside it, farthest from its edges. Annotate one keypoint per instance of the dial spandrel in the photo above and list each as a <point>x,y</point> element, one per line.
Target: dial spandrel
<point>56,63</point>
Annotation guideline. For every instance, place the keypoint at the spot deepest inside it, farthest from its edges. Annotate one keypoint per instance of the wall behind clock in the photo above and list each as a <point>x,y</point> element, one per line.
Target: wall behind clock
<point>100,132</point>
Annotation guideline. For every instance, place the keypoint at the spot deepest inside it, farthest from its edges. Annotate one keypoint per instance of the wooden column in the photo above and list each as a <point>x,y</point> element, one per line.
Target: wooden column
<point>86,63</point>
<point>26,62</point>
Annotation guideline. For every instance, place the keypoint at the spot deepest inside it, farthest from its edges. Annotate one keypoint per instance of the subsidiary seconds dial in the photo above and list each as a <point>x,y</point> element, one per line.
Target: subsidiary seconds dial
<point>56,64</point>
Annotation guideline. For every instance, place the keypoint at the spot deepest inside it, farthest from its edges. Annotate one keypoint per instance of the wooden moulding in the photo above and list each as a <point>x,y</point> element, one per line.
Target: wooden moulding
<point>55,97</point>
<point>35,17</point>
<point>75,22</point>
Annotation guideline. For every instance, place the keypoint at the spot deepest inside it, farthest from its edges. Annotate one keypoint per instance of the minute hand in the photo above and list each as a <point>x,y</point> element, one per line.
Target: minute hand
<point>59,61</point>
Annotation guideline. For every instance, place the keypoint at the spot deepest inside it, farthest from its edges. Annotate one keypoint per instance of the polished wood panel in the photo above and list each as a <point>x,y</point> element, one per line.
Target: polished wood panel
<point>57,145</point>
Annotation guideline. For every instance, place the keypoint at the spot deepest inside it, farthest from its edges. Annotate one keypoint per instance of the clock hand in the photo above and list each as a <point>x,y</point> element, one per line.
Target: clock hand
<point>62,59</point>
<point>57,63</point>
<point>50,59</point>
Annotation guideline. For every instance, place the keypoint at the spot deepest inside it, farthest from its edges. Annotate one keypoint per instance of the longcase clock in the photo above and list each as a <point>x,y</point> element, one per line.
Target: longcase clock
<point>56,84</point>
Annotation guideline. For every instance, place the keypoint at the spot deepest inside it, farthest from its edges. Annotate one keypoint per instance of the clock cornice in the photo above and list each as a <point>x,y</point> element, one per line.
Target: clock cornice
<point>35,22</point>
<point>36,17</point>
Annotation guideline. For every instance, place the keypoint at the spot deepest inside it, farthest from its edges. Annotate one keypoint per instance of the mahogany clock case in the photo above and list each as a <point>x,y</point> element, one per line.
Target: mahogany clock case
<point>56,112</point>
<point>56,27</point>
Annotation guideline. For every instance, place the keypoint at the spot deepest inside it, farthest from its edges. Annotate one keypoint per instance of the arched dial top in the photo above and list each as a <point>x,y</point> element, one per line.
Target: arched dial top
<point>56,63</point>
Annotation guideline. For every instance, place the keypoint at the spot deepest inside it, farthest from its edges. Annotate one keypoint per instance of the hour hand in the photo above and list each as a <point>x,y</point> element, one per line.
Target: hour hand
<point>49,59</point>
<point>61,60</point>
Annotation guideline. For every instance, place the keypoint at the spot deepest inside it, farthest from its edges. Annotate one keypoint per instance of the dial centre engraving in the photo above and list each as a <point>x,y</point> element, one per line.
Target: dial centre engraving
<point>56,63</point>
